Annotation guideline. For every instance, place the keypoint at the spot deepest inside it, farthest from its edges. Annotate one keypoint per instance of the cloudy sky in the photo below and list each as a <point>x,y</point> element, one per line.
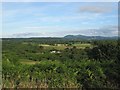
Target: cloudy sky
<point>49,19</point>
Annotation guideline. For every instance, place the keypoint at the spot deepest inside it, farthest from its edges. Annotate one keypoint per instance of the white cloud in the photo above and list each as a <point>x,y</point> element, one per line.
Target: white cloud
<point>100,8</point>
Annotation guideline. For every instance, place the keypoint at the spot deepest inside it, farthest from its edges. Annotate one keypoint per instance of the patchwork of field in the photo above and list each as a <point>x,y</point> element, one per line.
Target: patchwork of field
<point>57,47</point>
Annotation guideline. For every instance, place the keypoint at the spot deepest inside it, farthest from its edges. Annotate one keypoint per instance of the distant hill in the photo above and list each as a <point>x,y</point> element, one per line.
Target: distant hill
<point>82,37</point>
<point>70,37</point>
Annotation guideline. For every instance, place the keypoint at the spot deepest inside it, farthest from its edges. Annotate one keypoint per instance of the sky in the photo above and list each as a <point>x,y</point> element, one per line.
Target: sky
<point>57,19</point>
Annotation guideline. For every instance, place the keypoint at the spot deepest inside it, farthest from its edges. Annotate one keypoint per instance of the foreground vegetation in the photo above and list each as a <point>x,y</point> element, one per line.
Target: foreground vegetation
<point>57,63</point>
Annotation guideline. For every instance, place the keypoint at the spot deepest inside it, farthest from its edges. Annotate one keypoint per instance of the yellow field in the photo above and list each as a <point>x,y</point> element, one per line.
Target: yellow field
<point>82,46</point>
<point>62,46</point>
<point>58,47</point>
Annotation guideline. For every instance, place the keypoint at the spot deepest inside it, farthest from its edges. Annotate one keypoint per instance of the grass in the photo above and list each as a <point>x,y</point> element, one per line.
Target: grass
<point>30,62</point>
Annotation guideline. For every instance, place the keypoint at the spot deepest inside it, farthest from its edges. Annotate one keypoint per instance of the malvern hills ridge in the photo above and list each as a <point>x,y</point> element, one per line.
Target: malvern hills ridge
<point>83,37</point>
